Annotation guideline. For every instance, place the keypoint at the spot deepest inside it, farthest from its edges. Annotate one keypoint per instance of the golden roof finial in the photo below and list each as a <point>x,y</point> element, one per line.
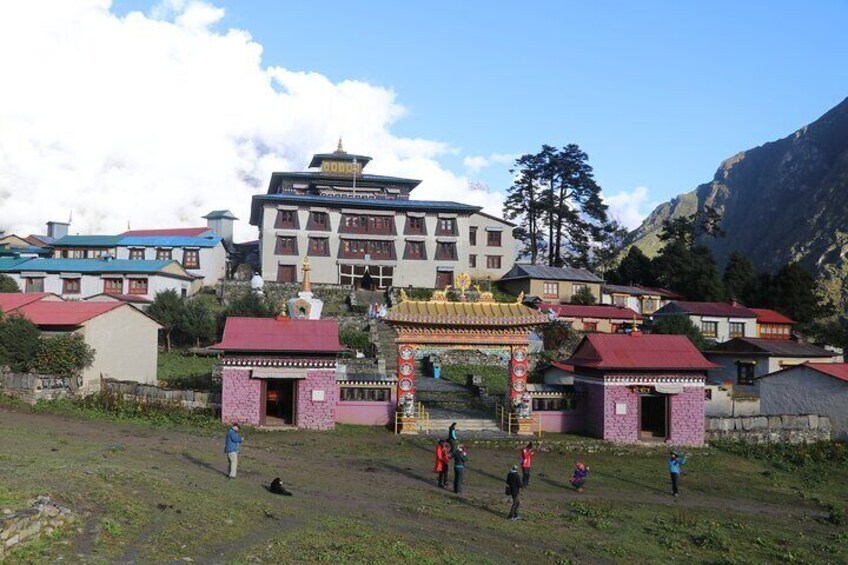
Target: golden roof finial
<point>307,286</point>
<point>520,298</point>
<point>403,296</point>
<point>340,148</point>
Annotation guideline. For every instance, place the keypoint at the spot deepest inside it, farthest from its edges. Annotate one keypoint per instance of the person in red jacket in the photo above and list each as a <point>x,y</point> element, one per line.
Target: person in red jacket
<point>526,459</point>
<point>442,460</point>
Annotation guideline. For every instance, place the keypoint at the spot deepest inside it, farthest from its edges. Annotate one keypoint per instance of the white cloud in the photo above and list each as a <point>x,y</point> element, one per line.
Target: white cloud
<point>157,119</point>
<point>475,163</point>
<point>630,208</point>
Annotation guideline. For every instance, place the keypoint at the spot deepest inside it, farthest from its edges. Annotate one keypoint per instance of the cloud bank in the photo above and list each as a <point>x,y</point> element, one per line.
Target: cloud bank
<point>157,119</point>
<point>630,208</point>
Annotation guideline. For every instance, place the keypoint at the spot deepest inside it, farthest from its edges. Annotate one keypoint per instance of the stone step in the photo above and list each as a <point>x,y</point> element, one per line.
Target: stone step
<point>466,425</point>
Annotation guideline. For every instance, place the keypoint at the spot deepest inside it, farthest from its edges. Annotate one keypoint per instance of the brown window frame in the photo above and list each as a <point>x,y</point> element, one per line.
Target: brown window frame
<point>494,261</point>
<point>745,373</point>
<point>314,225</point>
<point>359,248</point>
<point>496,241</point>
<point>740,326</point>
<point>135,286</point>
<point>319,247</point>
<point>110,281</point>
<point>704,331</point>
<point>446,251</point>
<point>442,230</point>
<point>546,294</point>
<point>420,229</point>
<point>286,220</point>
<point>420,255</point>
<point>292,269</point>
<point>472,261</point>
<point>30,287</point>
<point>472,235</point>
<point>194,263</point>
<point>281,249</point>
<point>71,289</point>
<point>136,254</point>
<point>164,254</point>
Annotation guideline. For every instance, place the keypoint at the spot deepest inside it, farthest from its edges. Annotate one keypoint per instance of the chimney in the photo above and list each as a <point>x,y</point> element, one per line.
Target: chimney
<point>221,222</point>
<point>57,230</point>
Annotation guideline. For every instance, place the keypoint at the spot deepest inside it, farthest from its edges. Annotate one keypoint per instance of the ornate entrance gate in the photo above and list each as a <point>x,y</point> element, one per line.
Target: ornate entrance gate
<point>474,321</point>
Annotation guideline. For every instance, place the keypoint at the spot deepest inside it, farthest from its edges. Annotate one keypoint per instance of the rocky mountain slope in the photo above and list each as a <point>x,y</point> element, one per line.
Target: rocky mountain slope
<point>785,200</point>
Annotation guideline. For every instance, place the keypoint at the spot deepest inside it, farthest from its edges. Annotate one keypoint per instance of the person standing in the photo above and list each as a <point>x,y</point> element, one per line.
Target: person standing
<point>460,458</point>
<point>675,462</point>
<point>442,462</point>
<point>513,488</point>
<point>578,479</point>
<point>452,437</point>
<point>526,460</point>
<point>232,443</point>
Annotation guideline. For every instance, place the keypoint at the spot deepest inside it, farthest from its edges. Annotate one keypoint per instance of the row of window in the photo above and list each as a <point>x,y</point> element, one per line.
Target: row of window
<point>380,225</point>
<point>710,329</point>
<point>362,394</point>
<point>191,257</point>
<point>74,285</point>
<point>649,305</point>
<point>551,289</point>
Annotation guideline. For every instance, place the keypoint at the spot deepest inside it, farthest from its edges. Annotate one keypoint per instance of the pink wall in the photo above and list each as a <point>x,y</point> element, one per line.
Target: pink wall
<point>622,428</point>
<point>241,397</point>
<point>687,417</point>
<point>570,422</point>
<point>593,424</point>
<point>316,414</point>
<point>365,413</point>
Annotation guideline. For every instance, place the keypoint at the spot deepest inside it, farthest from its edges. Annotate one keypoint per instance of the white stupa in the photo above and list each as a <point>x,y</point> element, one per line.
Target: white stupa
<point>305,306</point>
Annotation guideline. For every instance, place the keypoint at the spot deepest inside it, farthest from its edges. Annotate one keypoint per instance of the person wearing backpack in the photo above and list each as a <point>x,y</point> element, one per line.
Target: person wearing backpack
<point>513,489</point>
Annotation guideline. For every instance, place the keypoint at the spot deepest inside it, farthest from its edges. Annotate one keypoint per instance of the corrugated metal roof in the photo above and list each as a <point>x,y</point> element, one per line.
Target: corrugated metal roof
<point>767,316</point>
<point>836,370</point>
<point>280,335</point>
<point>542,272</point>
<point>636,290</point>
<point>220,214</point>
<point>718,309</point>
<point>605,311</point>
<point>770,347</point>
<point>465,313</point>
<point>13,300</point>
<point>129,266</point>
<point>637,351</point>
<point>8,264</point>
<point>58,313</point>
<point>169,241</point>
<point>87,241</point>
<point>185,232</point>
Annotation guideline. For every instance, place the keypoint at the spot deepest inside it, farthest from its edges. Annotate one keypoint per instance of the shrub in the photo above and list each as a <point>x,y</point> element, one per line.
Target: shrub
<point>358,340</point>
<point>66,354</point>
<point>8,284</point>
<point>680,325</point>
<point>167,309</point>
<point>197,322</point>
<point>583,296</point>
<point>19,343</point>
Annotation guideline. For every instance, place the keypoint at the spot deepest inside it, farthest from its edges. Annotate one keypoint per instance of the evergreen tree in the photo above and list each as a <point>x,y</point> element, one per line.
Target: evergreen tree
<point>793,293</point>
<point>198,322</point>
<point>685,266</point>
<point>739,277</point>
<point>680,325</point>
<point>634,268</point>
<point>606,253</point>
<point>584,296</point>
<point>167,309</point>
<point>523,204</point>
<point>8,284</point>
<point>19,343</point>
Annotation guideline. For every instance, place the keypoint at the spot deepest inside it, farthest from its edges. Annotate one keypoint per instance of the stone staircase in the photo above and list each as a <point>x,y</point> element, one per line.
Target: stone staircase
<point>448,402</point>
<point>383,337</point>
<point>364,298</point>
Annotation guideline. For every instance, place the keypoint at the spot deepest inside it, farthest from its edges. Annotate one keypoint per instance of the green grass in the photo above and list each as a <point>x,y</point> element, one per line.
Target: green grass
<point>149,494</point>
<point>185,371</point>
<point>495,379</point>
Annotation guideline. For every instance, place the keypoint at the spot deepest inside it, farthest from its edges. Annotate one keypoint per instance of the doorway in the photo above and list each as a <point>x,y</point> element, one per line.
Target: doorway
<point>653,416</point>
<point>444,279</point>
<point>279,402</point>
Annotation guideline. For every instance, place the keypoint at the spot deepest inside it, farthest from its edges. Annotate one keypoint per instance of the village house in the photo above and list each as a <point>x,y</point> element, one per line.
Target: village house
<point>349,223</point>
<point>596,318</point>
<point>718,321</point>
<point>125,341</point>
<point>78,279</point>
<point>772,324</point>
<point>811,388</point>
<point>552,285</point>
<point>642,299</point>
<point>636,387</point>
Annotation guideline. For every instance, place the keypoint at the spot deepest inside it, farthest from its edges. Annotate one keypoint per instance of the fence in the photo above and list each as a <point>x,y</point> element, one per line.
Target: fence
<point>786,428</point>
<point>33,387</point>
<point>191,399</point>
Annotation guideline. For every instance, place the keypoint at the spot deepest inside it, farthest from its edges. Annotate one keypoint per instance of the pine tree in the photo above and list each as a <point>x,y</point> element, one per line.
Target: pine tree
<point>522,204</point>
<point>634,268</point>
<point>739,277</point>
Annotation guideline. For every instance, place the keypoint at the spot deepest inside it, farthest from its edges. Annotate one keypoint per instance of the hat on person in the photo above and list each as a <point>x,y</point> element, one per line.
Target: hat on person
<point>514,469</point>
<point>580,465</point>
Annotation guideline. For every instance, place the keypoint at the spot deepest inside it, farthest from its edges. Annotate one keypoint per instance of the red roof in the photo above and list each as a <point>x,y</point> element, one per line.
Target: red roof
<point>836,370</point>
<point>136,298</point>
<point>280,335</point>
<point>607,311</point>
<point>55,313</point>
<point>719,309</point>
<point>639,351</point>
<point>187,232</point>
<point>766,316</point>
<point>13,300</point>
<point>563,367</point>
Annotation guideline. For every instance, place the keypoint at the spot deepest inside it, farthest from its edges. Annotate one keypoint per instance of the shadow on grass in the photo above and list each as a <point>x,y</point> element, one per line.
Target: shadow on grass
<point>629,481</point>
<point>431,450</point>
<point>203,464</point>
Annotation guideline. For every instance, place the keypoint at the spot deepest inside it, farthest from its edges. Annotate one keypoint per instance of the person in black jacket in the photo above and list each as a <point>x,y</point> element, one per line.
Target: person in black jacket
<point>513,488</point>
<point>459,460</point>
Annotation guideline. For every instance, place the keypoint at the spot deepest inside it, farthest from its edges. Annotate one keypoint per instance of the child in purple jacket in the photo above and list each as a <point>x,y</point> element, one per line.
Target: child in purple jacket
<point>581,472</point>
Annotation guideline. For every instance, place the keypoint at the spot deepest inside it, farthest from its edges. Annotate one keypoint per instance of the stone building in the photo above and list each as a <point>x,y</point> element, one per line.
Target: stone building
<point>553,285</point>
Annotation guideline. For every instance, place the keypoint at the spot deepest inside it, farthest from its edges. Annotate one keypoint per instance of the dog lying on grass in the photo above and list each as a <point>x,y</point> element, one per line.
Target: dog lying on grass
<point>278,488</point>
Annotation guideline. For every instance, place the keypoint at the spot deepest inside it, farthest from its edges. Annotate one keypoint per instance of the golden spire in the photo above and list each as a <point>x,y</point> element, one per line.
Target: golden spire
<point>307,286</point>
<point>340,148</point>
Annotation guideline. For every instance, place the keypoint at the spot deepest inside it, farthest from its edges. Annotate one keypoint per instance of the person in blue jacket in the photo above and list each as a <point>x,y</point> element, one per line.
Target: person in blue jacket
<point>675,462</point>
<point>452,437</point>
<point>231,447</point>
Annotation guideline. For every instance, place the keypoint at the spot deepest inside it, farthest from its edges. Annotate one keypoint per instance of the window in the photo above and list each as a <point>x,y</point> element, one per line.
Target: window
<point>650,306</point>
<point>445,251</point>
<point>138,286</point>
<point>137,254</point>
<point>351,275</point>
<point>619,300</point>
<point>191,258</point>
<point>550,290</point>
<point>493,238</point>
<point>286,274</point>
<point>286,245</point>
<point>70,286</point>
<point>737,329</point>
<point>576,287</point>
<point>472,261</point>
<point>556,404</point>
<point>319,247</point>
<point>382,225</point>
<point>163,254</point>
<point>364,394</point>
<point>113,286</point>
<point>415,250</point>
<point>359,248</point>
<point>415,226</point>
<point>709,329</point>
<point>590,326</point>
<point>34,284</point>
<point>493,261</point>
<point>745,373</point>
<point>286,220</point>
<point>472,235</point>
<point>318,221</point>
<point>446,226</point>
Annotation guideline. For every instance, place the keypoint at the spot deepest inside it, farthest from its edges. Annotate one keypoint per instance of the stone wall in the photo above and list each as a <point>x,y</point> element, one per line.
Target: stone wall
<point>786,428</point>
<point>316,400</point>
<point>41,518</point>
<point>191,399</point>
<point>687,413</point>
<point>282,292</point>
<point>32,387</point>
<point>241,397</point>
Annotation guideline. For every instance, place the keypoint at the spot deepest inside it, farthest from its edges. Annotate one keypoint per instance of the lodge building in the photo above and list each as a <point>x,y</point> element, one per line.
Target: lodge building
<point>348,223</point>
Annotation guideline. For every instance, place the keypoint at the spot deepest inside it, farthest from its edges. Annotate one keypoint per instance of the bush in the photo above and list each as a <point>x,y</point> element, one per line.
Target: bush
<point>584,296</point>
<point>66,354</point>
<point>167,309</point>
<point>355,339</point>
<point>8,284</point>
<point>19,343</point>
<point>680,325</point>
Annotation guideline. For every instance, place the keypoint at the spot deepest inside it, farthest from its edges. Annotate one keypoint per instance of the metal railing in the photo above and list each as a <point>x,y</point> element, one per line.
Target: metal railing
<point>508,420</point>
<point>422,419</point>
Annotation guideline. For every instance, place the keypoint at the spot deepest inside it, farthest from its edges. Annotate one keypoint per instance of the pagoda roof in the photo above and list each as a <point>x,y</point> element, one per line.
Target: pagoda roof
<point>465,314</point>
<point>319,158</point>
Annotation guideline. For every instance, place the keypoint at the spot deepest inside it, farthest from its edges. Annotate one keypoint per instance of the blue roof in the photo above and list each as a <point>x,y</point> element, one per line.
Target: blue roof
<point>87,241</point>
<point>95,266</point>
<point>136,240</point>
<point>349,202</point>
<point>168,241</point>
<point>218,214</point>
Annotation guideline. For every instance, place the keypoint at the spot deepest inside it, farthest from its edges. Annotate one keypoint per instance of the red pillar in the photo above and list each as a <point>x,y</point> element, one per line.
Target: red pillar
<point>518,370</point>
<point>406,374</point>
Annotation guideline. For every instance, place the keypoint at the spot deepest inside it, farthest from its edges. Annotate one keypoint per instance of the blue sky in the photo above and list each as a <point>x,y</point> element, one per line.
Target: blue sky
<point>657,93</point>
